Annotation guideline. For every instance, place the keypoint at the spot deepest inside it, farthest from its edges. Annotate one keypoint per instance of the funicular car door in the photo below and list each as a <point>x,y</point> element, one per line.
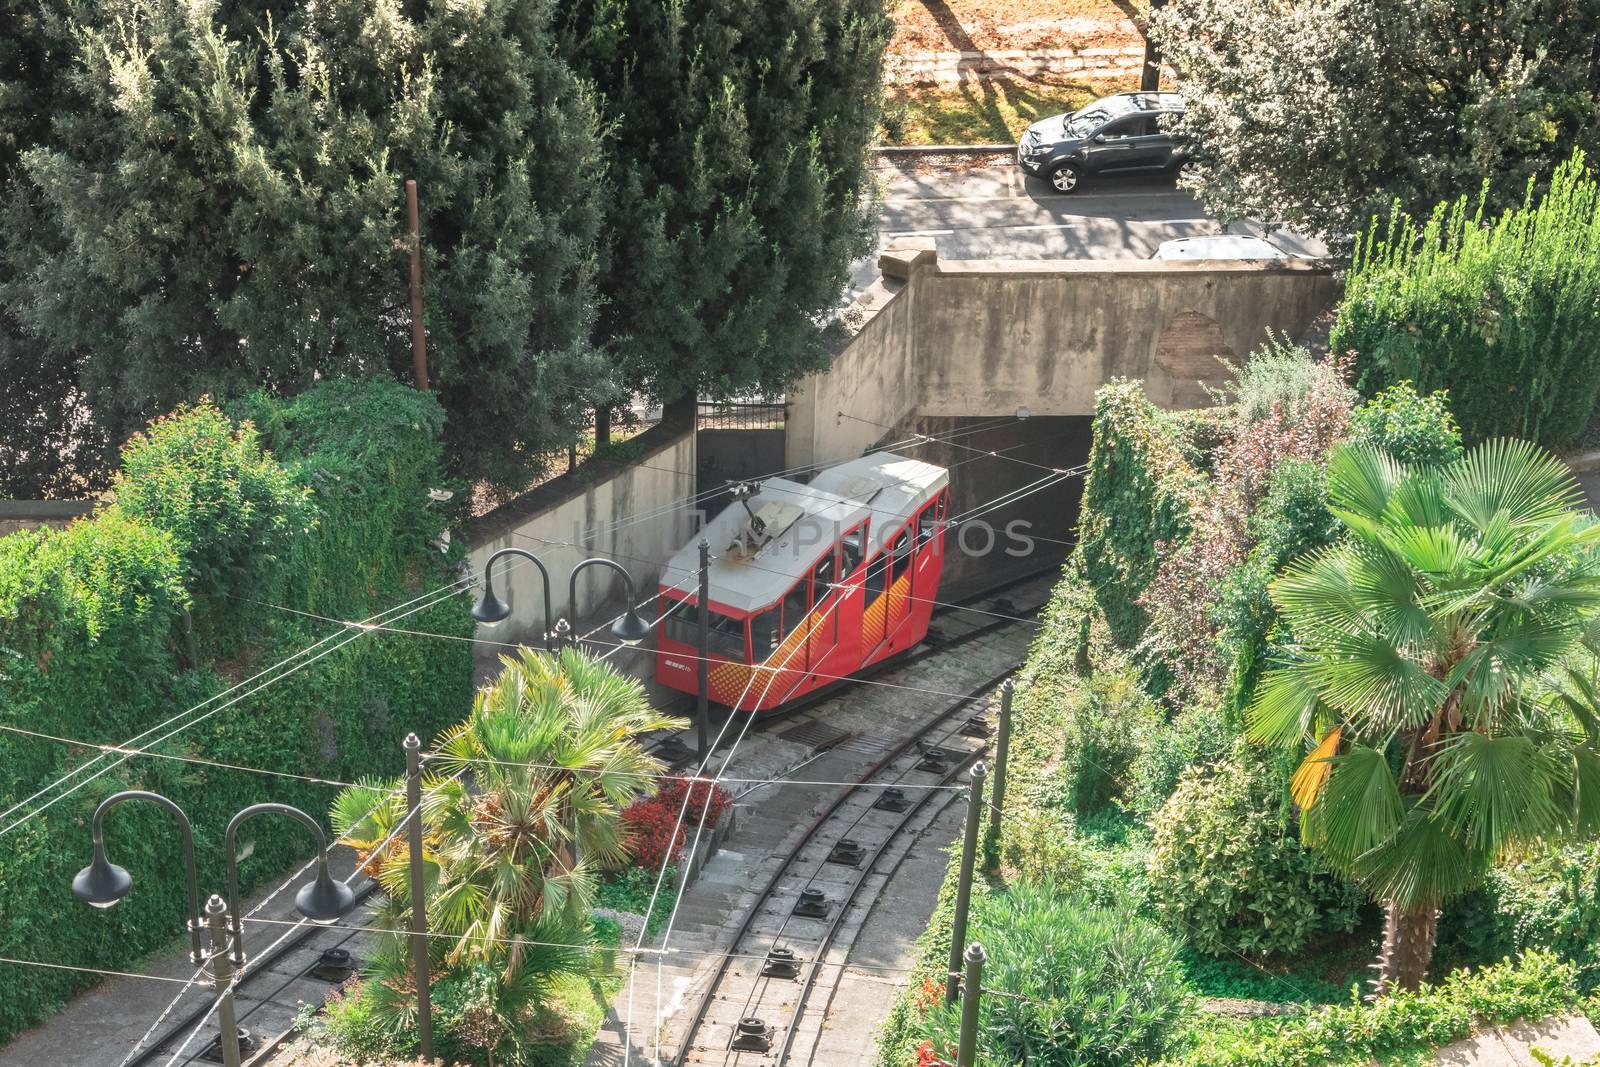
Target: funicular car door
<point>824,620</point>
<point>899,554</point>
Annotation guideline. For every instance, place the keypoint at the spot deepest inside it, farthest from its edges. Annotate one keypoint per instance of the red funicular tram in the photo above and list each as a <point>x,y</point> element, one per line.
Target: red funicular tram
<point>809,583</point>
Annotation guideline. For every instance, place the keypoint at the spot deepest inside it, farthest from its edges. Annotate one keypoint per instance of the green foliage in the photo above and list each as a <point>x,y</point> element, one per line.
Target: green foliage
<point>1504,311</point>
<point>1413,428</point>
<point>1227,869</point>
<point>631,888</point>
<point>737,189</point>
<point>1072,984</point>
<point>91,648</point>
<point>1549,900</point>
<point>211,200</point>
<point>541,769</point>
<point>1138,495</point>
<point>1425,642</point>
<point>1320,115</point>
<point>1197,735</point>
<point>1102,728</point>
<point>1274,381</point>
<point>1532,987</point>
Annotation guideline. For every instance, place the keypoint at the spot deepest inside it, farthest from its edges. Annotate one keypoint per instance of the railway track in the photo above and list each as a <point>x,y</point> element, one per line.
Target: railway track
<point>752,1007</point>
<point>757,976</point>
<point>308,966</point>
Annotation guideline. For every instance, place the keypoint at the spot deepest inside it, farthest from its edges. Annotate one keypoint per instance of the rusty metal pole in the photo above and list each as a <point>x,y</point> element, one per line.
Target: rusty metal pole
<point>419,340</point>
<point>419,898</point>
<point>1002,750</point>
<point>969,850</point>
<point>222,981</point>
<point>967,1051</point>
<point>703,673</point>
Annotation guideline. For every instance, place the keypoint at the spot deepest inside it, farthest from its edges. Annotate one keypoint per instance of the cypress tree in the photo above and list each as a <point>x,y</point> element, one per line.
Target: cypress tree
<point>217,204</point>
<point>736,149</point>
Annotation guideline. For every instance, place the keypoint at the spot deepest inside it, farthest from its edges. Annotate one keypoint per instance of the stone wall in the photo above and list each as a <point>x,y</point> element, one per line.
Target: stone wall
<point>636,511</point>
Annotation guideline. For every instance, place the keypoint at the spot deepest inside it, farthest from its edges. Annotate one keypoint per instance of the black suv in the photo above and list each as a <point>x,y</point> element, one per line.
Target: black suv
<point>1118,133</point>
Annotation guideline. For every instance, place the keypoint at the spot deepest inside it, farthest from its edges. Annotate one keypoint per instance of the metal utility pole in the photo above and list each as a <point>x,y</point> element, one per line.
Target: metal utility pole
<point>419,898</point>
<point>419,341</point>
<point>969,849</point>
<point>222,981</point>
<point>967,1051</point>
<point>703,670</point>
<point>1002,749</point>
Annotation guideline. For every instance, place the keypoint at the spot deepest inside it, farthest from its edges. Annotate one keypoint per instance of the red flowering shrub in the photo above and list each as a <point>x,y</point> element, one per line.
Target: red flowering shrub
<point>927,1057</point>
<point>650,823</point>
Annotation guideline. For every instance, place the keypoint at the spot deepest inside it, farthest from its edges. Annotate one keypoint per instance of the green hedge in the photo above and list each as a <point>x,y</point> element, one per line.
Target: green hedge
<point>1504,312</point>
<point>95,643</point>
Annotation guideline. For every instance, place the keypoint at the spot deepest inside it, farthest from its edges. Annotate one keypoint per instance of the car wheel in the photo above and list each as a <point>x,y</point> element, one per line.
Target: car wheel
<point>1065,177</point>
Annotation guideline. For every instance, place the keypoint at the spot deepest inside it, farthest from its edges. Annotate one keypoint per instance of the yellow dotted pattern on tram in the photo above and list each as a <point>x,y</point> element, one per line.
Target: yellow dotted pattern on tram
<point>728,681</point>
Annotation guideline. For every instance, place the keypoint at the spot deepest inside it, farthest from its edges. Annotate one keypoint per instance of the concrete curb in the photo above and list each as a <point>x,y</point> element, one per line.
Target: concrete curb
<point>945,150</point>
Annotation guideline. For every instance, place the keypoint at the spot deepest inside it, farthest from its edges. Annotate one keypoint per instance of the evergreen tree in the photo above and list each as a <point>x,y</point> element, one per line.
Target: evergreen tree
<point>218,204</point>
<point>1321,113</point>
<point>736,147</point>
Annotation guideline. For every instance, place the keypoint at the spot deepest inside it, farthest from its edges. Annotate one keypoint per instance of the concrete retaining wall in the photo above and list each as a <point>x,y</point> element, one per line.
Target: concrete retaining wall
<point>635,511</point>
<point>987,338</point>
<point>949,68</point>
<point>31,514</point>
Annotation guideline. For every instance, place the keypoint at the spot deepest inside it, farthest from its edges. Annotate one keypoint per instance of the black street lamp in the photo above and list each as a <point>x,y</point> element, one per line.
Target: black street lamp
<point>103,883</point>
<point>629,628</point>
<point>321,900</point>
<point>490,609</point>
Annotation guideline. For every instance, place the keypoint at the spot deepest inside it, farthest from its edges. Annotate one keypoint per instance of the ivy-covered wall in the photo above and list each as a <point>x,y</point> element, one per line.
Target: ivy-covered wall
<point>160,601</point>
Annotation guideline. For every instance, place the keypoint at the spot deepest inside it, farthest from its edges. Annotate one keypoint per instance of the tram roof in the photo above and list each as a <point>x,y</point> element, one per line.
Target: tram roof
<point>885,487</point>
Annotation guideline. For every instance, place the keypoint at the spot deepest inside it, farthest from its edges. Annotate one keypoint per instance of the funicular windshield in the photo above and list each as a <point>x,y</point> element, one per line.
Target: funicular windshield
<point>725,633</point>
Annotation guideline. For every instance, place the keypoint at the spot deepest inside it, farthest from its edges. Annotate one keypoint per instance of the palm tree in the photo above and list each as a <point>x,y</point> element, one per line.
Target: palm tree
<point>521,807</point>
<point>1438,674</point>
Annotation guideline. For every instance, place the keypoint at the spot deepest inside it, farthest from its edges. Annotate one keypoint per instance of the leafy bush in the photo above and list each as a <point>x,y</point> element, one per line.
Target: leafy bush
<point>1138,495</point>
<point>1072,983</point>
<point>1274,425</point>
<point>90,647</point>
<point>631,889</point>
<point>1534,986</point>
<point>1550,900</point>
<point>230,508</point>
<point>1229,871</point>
<point>1102,725</point>
<point>1196,737</point>
<point>1409,426</point>
<point>1503,312</point>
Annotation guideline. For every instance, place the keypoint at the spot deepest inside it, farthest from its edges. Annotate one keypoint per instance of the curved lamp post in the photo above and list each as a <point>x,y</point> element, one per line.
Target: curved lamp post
<point>490,609</point>
<point>322,900</point>
<point>103,883</point>
<point>629,628</point>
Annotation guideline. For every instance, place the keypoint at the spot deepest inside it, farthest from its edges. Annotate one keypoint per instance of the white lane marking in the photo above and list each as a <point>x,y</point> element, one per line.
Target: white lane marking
<point>1023,196</point>
<point>1044,226</point>
<point>920,233</point>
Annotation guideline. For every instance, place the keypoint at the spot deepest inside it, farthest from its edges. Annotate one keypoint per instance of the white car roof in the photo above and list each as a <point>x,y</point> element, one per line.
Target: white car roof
<point>1220,246</point>
<point>804,518</point>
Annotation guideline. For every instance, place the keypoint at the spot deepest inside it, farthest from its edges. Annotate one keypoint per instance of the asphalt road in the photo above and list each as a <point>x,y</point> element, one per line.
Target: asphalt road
<point>998,212</point>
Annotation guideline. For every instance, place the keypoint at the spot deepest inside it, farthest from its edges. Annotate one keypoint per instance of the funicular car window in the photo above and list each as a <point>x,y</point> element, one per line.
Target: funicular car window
<point>725,636</point>
<point>850,549</point>
<point>763,633</point>
<point>901,551</point>
<point>930,519</point>
<point>877,570</point>
<point>796,604</point>
<point>822,589</point>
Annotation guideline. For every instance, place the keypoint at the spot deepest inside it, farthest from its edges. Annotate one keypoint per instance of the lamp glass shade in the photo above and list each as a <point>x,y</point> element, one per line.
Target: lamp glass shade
<point>324,900</point>
<point>102,883</point>
<point>490,609</point>
<point>630,629</point>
